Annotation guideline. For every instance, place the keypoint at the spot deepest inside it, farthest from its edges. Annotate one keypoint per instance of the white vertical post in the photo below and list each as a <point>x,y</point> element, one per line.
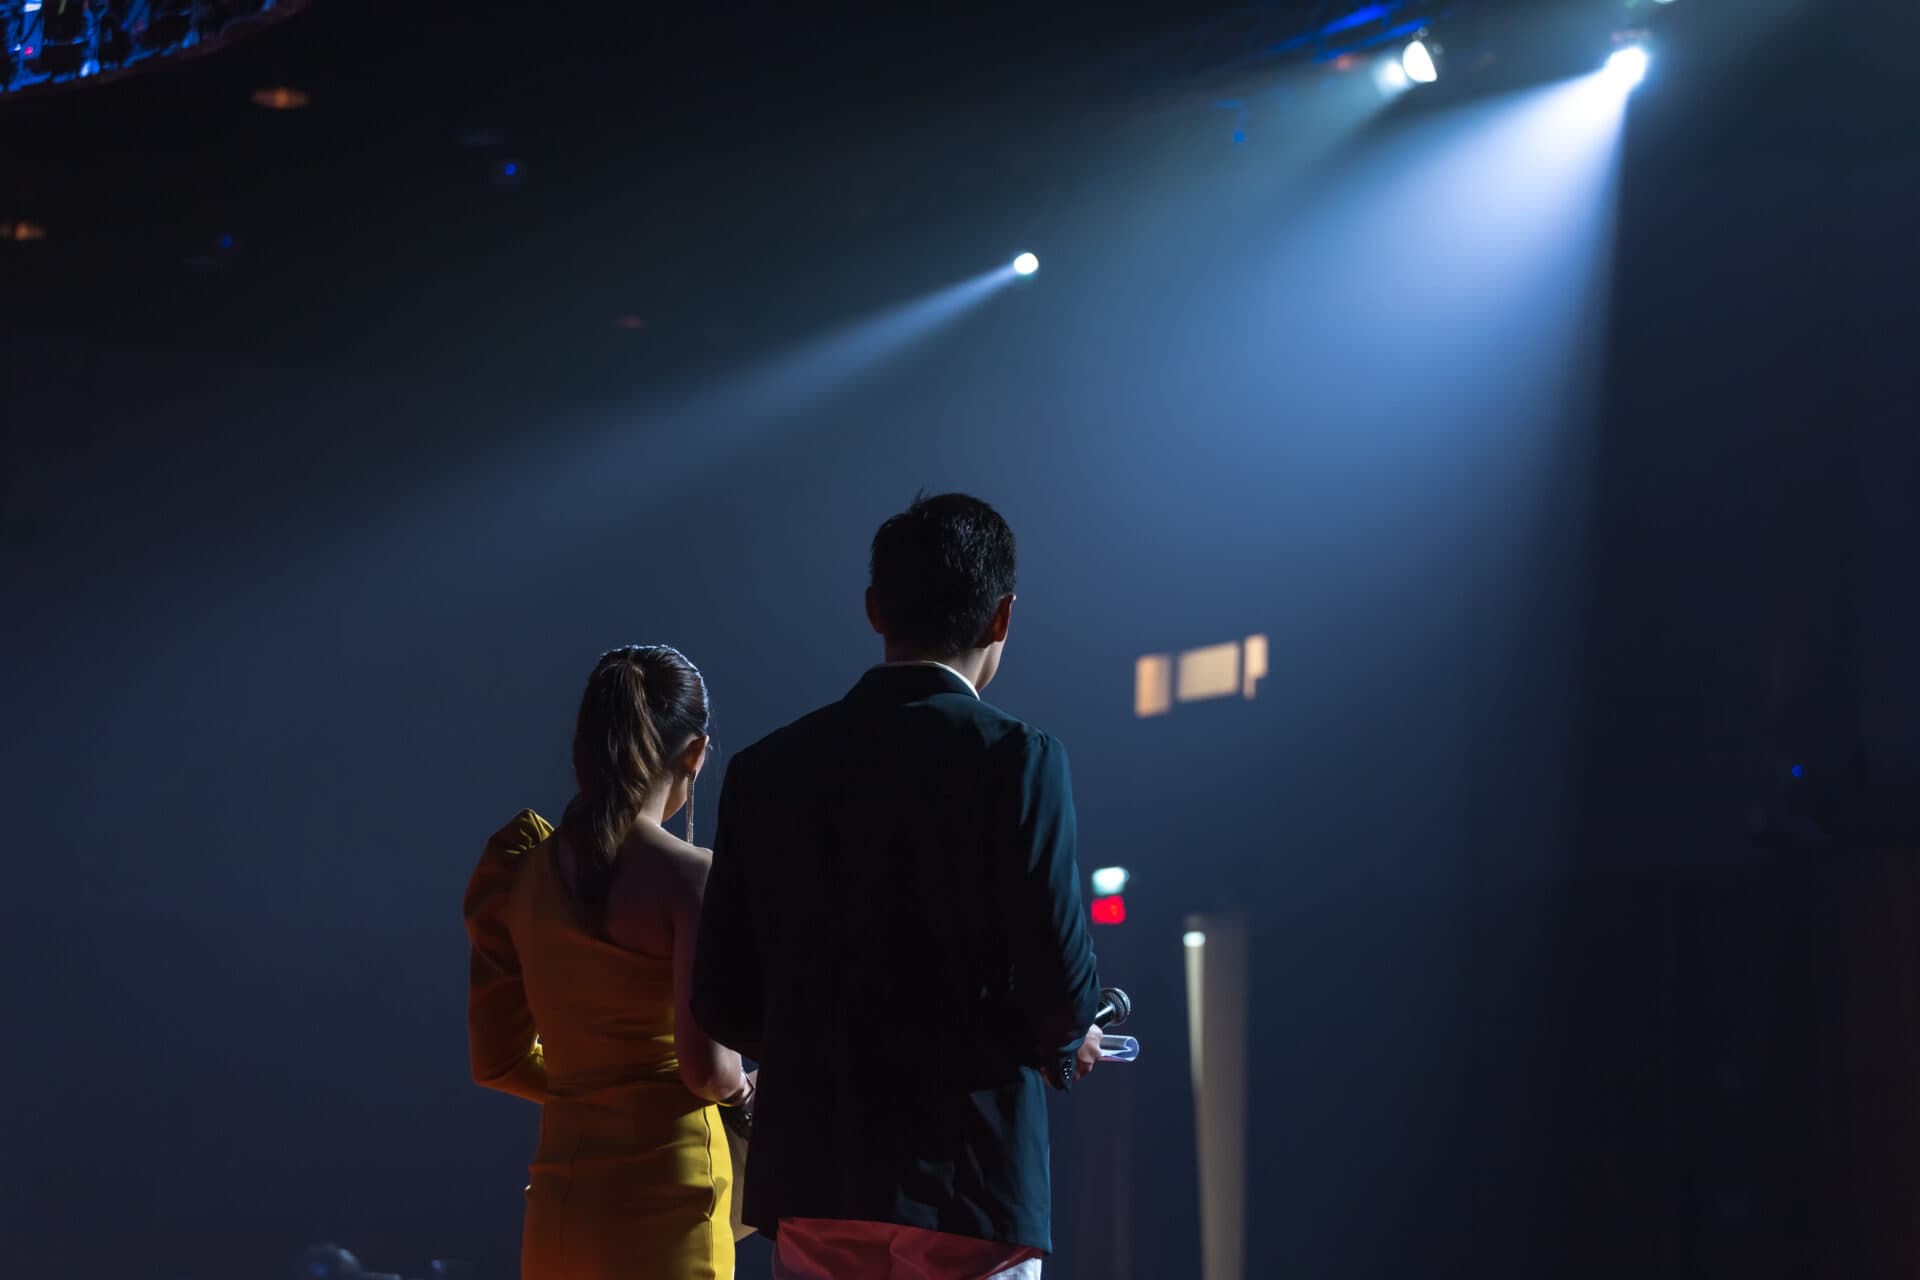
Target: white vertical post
<point>1216,953</point>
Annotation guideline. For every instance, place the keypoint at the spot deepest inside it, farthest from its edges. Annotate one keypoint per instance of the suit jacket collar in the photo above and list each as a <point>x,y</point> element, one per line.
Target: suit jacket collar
<point>909,682</point>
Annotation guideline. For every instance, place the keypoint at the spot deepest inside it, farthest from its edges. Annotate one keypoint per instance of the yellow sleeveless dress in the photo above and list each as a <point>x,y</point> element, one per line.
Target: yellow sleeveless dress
<point>632,1179</point>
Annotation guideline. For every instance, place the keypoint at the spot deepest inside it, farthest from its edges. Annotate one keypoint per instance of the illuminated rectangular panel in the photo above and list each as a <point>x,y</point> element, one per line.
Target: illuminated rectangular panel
<point>1153,685</point>
<point>1212,672</point>
<point>1254,670</point>
<point>1112,910</point>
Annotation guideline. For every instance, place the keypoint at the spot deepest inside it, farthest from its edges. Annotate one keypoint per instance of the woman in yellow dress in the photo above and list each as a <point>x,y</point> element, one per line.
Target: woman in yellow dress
<point>583,944</point>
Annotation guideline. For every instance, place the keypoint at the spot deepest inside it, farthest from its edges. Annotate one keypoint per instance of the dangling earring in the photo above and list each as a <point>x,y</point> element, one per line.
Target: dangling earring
<point>690,782</point>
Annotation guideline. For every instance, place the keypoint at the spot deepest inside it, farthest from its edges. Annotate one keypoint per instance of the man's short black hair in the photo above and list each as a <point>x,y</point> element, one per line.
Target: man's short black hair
<point>940,568</point>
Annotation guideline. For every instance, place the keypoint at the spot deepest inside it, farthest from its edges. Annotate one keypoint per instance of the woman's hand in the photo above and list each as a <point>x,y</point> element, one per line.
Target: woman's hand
<point>744,1098</point>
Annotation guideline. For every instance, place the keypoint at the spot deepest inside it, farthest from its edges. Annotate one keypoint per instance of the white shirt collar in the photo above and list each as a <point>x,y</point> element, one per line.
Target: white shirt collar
<point>943,666</point>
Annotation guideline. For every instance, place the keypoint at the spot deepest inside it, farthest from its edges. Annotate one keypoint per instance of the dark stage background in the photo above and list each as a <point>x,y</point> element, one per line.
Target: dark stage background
<point>306,558</point>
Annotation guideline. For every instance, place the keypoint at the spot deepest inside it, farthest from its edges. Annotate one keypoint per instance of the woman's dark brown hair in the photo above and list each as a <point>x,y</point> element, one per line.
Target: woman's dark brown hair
<point>642,703</point>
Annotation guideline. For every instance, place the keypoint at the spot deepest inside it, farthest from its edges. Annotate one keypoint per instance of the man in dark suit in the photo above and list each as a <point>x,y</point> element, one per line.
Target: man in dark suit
<point>893,930</point>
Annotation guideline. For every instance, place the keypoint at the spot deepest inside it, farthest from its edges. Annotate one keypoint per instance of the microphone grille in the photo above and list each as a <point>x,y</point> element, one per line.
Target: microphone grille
<point>1122,1006</point>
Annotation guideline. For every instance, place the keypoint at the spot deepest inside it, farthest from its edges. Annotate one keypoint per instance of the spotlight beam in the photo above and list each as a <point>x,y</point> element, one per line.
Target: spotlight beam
<point>599,475</point>
<point>589,488</point>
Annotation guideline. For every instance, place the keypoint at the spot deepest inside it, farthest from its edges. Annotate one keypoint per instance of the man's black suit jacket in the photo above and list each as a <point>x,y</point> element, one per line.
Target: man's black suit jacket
<point>893,930</point>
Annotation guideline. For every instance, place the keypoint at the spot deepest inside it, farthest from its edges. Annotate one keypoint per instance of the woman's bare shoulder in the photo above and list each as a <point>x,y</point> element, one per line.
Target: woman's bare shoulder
<point>670,864</point>
<point>689,865</point>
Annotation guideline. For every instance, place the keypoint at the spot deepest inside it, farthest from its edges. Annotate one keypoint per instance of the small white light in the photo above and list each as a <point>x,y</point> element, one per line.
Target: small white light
<point>1628,66</point>
<point>1025,265</point>
<point>1390,77</point>
<point>1193,940</point>
<point>1418,63</point>
<point>1107,881</point>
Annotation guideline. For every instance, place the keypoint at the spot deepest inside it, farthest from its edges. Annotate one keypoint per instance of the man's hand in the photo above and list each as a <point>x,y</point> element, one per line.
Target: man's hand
<point>1087,1054</point>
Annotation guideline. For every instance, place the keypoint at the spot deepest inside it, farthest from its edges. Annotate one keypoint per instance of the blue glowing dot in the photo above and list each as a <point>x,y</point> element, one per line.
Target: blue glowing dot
<point>1799,771</point>
<point>1239,135</point>
<point>226,240</point>
<point>510,168</point>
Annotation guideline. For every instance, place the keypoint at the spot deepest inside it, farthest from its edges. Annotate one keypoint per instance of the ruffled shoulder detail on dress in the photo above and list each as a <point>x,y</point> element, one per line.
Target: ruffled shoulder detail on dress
<point>500,860</point>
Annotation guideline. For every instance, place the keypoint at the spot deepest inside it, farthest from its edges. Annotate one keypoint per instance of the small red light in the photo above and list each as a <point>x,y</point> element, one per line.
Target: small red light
<point>1111,910</point>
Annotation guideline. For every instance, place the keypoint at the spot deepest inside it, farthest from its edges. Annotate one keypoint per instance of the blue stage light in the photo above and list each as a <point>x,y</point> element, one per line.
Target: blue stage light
<point>1025,265</point>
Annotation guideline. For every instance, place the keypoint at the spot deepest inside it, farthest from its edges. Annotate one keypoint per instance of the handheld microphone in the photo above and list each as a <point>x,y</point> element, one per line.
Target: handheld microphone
<point>1115,1008</point>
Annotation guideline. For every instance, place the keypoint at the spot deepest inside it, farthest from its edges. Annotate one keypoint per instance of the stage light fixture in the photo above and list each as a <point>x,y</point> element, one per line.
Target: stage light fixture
<point>57,60</point>
<point>1108,881</point>
<point>1628,66</point>
<point>169,22</point>
<point>1193,939</point>
<point>53,40</point>
<point>1025,265</point>
<point>1417,61</point>
<point>113,43</point>
<point>64,47</point>
<point>62,22</point>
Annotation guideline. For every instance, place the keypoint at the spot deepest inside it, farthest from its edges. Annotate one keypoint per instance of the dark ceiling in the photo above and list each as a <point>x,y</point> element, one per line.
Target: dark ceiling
<point>479,187</point>
<point>477,179</point>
